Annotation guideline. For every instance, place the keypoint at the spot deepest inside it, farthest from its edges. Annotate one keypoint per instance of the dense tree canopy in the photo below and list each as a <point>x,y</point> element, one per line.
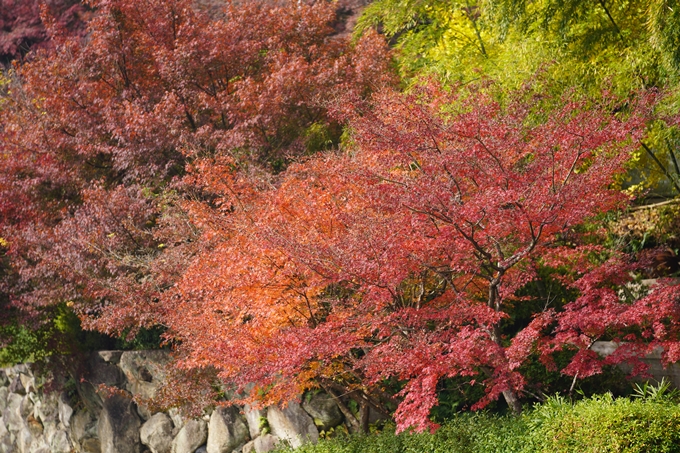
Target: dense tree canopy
<point>244,178</point>
<point>97,133</point>
<point>408,253</point>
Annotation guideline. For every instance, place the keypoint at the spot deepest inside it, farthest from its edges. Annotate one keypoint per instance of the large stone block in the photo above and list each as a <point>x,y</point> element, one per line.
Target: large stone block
<point>193,434</point>
<point>119,425</point>
<point>254,418</point>
<point>145,373</point>
<point>323,409</point>
<point>24,440</point>
<point>34,426</point>
<point>98,372</point>
<point>292,424</point>
<point>112,357</point>
<point>27,382</point>
<point>46,408</point>
<point>263,444</point>
<point>4,433</point>
<point>84,429</point>
<point>157,433</point>
<point>61,443</point>
<point>91,445</point>
<point>16,411</point>
<point>5,439</point>
<point>227,430</point>
<point>16,386</point>
<point>65,410</point>
<point>4,393</point>
<point>177,418</point>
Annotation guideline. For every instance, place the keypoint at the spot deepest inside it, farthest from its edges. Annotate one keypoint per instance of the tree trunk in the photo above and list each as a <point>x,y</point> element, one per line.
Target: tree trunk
<point>353,423</point>
<point>363,417</point>
<point>513,401</point>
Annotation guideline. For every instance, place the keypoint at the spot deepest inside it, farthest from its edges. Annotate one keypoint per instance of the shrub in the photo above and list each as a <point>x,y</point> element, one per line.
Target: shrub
<point>604,424</point>
<point>465,433</point>
<point>649,423</point>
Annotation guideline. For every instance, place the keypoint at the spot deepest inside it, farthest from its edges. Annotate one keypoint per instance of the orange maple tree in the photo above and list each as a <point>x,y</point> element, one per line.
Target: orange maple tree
<point>97,132</point>
<point>401,258</point>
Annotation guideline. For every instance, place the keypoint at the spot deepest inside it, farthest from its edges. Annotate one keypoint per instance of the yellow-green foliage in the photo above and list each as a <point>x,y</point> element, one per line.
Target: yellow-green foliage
<point>600,424</point>
<point>582,44</point>
<point>583,47</point>
<point>603,424</point>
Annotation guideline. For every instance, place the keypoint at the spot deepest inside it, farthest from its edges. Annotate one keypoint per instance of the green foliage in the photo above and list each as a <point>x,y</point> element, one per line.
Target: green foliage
<point>604,424</point>
<point>548,382</point>
<point>599,424</point>
<point>22,345</point>
<point>579,47</point>
<point>320,137</point>
<point>455,395</point>
<point>145,338</point>
<point>444,37</point>
<point>263,425</point>
<point>662,392</point>
<point>468,433</point>
<point>64,335</point>
<point>626,44</point>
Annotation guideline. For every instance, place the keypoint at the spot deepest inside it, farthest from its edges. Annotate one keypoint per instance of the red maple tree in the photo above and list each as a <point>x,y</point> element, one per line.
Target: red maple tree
<point>96,134</point>
<point>402,257</point>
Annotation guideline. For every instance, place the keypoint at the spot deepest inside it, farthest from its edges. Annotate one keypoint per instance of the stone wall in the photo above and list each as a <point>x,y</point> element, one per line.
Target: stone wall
<point>91,420</point>
<point>656,370</point>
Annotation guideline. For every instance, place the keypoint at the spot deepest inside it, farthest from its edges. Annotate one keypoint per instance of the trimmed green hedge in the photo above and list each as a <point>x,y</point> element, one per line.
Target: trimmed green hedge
<point>600,424</point>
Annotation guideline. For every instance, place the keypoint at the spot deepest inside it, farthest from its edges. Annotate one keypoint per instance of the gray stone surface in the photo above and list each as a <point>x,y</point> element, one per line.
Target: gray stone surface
<point>254,418</point>
<point>292,424</point>
<point>65,410</point>
<point>190,437</point>
<point>323,410</point>
<point>119,425</point>
<point>27,382</point>
<point>670,373</point>
<point>145,373</point>
<point>112,357</point>
<point>34,426</point>
<point>157,433</point>
<point>107,420</point>
<point>16,386</point>
<point>49,431</point>
<point>5,435</point>
<point>3,429</point>
<point>84,428</point>
<point>46,408</point>
<point>177,419</point>
<point>4,393</point>
<point>26,407</point>
<point>227,430</point>
<point>24,440</point>
<point>4,380</point>
<point>98,372</point>
<point>61,443</point>
<point>12,414</point>
<point>91,445</point>
<point>262,444</point>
